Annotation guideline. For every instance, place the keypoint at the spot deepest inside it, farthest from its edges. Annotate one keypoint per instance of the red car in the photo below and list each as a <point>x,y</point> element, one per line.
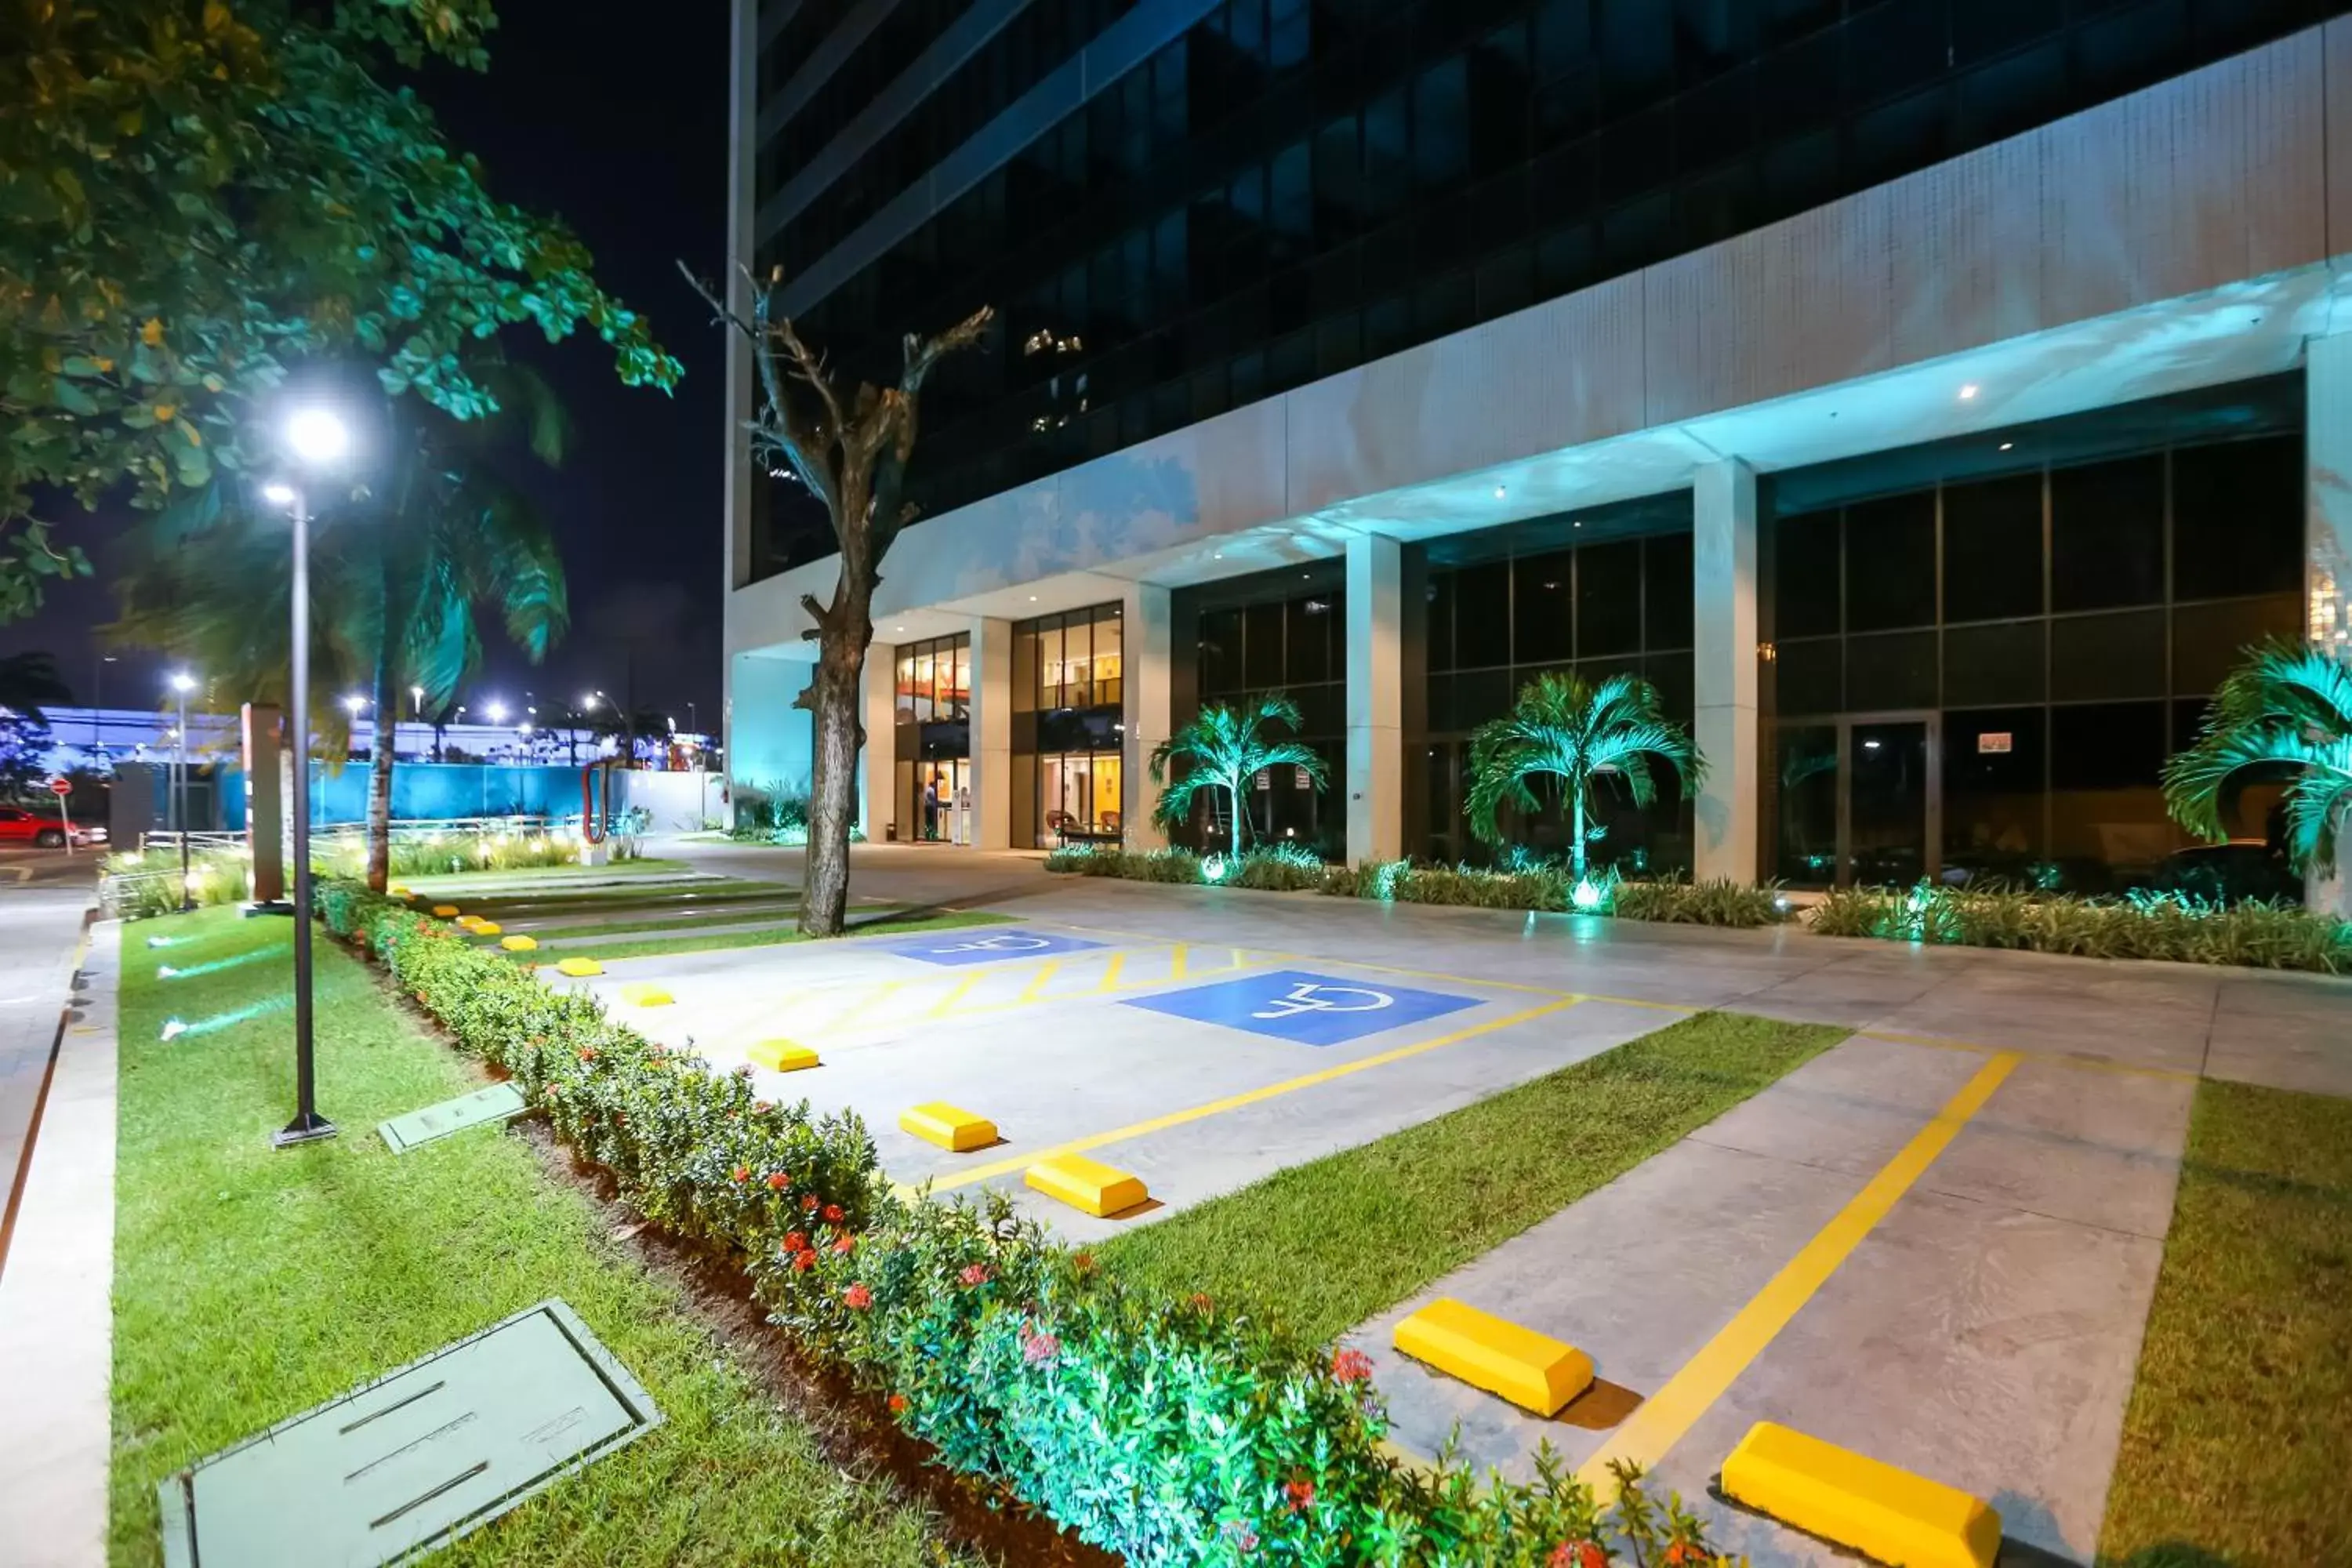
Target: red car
<point>22,825</point>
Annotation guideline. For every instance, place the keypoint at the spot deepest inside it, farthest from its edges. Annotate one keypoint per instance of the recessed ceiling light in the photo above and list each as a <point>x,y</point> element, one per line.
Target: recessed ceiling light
<point>1499,492</point>
<point>1033,598</point>
<point>1967,392</point>
<point>2005,446</point>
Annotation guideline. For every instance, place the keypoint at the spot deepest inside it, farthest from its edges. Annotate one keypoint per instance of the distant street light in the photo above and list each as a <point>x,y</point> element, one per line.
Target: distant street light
<point>318,439</point>
<point>496,710</point>
<point>182,683</point>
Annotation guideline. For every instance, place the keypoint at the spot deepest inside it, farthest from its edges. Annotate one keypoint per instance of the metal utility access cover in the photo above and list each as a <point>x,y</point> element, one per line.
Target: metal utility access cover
<point>414,1460</point>
<point>495,1103</point>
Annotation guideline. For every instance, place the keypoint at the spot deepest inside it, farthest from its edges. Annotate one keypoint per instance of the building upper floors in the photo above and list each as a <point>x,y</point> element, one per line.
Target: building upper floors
<point>1185,209</point>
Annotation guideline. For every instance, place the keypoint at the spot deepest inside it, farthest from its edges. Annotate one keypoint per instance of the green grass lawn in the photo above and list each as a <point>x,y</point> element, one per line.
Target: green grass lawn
<point>251,1284</point>
<point>861,923</point>
<point>1370,1225</point>
<point>2237,1445</point>
<point>437,881</point>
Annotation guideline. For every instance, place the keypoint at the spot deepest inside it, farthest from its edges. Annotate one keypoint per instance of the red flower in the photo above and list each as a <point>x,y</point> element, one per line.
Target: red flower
<point>587,1053</point>
<point>1201,1302</point>
<point>796,1242</point>
<point>803,1261</point>
<point>778,1181</point>
<point>974,1274</point>
<point>832,1213</point>
<point>857,1298</point>
<point>1039,1349</point>
<point>897,1405</point>
<point>1351,1366</point>
<point>760,1108</point>
<point>740,1172</point>
<point>1562,1556</point>
<point>1591,1555</point>
<point>842,1246</point>
<point>1677,1554</point>
<point>808,1203</point>
<point>1084,1262</point>
<point>1301,1493</point>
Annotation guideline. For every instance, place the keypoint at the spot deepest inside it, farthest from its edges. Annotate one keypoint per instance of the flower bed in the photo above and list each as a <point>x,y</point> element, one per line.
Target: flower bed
<point>1171,1433</point>
<point>2157,926</point>
<point>1553,889</point>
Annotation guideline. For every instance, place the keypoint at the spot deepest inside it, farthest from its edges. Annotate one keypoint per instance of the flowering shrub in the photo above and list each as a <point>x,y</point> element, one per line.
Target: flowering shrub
<point>1170,1433</point>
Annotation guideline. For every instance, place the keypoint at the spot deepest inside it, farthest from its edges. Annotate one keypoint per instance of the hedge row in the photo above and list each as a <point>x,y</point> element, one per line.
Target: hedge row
<point>1168,1432</point>
<point>2149,926</point>
<point>1544,888</point>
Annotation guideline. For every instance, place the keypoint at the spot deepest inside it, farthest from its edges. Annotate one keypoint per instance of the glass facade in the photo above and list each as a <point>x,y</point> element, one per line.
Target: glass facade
<point>933,738</point>
<point>1068,728</point>
<point>1292,187</point>
<point>1602,593</point>
<point>1279,631</point>
<point>1982,652</point>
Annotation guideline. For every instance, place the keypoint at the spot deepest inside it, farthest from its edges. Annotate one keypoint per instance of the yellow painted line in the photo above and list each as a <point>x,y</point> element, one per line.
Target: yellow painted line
<point>1036,986</point>
<point>1176,959</point>
<point>966,1177</point>
<point>1109,980</point>
<point>1667,1415</point>
<point>956,993</point>
<point>2052,1058</point>
<point>880,992</point>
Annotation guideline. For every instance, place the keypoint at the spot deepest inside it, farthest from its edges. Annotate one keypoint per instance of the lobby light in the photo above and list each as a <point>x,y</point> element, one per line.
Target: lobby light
<point>1968,393</point>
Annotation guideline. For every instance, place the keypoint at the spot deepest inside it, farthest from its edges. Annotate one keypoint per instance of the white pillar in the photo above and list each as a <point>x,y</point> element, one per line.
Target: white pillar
<point>1723,617</point>
<point>1375,774</point>
<point>1146,657</point>
<point>2327,553</point>
<point>992,734</point>
<point>876,770</point>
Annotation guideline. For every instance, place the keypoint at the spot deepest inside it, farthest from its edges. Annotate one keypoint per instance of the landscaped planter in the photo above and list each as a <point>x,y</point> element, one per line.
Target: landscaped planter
<point>1166,1430</point>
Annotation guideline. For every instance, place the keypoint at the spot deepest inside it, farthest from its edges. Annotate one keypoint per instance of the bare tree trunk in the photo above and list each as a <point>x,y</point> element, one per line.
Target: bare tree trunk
<point>846,629</point>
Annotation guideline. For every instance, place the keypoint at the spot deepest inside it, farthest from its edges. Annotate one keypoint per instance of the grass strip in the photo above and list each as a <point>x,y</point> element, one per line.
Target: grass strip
<point>776,936</point>
<point>1372,1224</point>
<point>2238,1439</point>
<point>251,1284</point>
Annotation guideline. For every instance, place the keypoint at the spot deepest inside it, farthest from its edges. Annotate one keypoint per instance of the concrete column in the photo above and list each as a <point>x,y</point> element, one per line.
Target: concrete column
<point>2327,553</point>
<point>1724,609</point>
<point>743,163</point>
<point>876,770</point>
<point>1146,662</point>
<point>992,734</point>
<point>1375,772</point>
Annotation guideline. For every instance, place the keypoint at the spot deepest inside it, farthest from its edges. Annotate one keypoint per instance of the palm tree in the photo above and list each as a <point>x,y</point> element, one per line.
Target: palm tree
<point>29,679</point>
<point>399,576</point>
<point>1576,732</point>
<point>2284,713</point>
<point>1222,749</point>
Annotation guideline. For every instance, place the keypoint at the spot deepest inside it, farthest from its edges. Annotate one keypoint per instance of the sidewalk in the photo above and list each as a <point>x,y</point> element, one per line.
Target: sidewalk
<point>55,1284</point>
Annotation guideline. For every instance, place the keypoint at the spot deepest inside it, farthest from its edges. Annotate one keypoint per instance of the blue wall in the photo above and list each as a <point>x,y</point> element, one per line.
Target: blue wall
<point>422,790</point>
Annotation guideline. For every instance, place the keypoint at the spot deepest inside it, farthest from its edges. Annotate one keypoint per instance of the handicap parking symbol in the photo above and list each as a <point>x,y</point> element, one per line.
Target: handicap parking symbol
<point>1306,1008</point>
<point>954,949</point>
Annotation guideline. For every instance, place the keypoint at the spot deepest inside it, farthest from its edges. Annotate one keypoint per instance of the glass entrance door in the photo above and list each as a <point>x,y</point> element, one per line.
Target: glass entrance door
<point>938,786</point>
<point>1888,801</point>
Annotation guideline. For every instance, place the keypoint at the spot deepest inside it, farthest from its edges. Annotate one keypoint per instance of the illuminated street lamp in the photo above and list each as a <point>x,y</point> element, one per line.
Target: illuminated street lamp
<point>496,710</point>
<point>181,684</point>
<point>318,439</point>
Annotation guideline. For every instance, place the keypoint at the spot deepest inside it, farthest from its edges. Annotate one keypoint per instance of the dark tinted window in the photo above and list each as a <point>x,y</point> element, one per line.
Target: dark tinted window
<point>2106,534</point>
<point>1666,584</point>
<point>1609,599</point>
<point>1482,615</point>
<point>2238,519</point>
<point>1542,609</point>
<point>1992,549</point>
<point>1890,563</point>
<point>1805,575</point>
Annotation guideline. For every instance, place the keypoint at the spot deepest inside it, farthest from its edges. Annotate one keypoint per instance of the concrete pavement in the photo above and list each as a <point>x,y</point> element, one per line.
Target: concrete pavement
<point>44,897</point>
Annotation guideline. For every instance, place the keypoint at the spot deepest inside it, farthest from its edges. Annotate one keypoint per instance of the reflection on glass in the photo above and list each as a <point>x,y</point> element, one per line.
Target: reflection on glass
<point>1888,803</point>
<point>1807,791</point>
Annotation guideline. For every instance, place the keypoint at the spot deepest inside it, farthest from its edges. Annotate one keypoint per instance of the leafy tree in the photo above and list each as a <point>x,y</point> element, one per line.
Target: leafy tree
<point>196,196</point>
<point>402,574</point>
<point>1575,733</point>
<point>2284,713</point>
<point>29,679</point>
<point>24,752</point>
<point>1222,749</point>
<point>851,452</point>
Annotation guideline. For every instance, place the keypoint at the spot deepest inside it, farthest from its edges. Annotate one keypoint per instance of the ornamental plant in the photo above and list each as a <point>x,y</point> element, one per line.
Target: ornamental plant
<point>1171,1433</point>
<point>1578,735</point>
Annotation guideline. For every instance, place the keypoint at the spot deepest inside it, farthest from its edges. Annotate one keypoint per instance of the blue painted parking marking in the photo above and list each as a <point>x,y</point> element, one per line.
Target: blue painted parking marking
<point>956,948</point>
<point>1306,1008</point>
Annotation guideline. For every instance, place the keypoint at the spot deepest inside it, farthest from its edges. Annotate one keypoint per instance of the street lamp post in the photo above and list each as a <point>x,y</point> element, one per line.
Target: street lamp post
<point>318,438</point>
<point>182,683</point>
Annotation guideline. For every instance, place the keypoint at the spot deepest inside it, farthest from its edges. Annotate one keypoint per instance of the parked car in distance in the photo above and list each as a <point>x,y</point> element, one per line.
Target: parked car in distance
<point>2230,872</point>
<point>24,824</point>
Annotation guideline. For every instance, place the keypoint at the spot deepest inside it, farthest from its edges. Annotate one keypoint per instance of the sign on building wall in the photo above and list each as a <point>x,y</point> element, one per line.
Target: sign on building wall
<point>1994,743</point>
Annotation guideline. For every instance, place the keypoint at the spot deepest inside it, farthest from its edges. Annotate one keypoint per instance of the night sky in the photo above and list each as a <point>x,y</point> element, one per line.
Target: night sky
<point>623,133</point>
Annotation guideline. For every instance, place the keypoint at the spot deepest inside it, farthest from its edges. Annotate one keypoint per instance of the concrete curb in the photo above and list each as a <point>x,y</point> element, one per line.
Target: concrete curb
<point>56,1299</point>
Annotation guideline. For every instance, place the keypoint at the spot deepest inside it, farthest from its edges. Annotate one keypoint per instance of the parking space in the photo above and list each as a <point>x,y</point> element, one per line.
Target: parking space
<point>1200,1067</point>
